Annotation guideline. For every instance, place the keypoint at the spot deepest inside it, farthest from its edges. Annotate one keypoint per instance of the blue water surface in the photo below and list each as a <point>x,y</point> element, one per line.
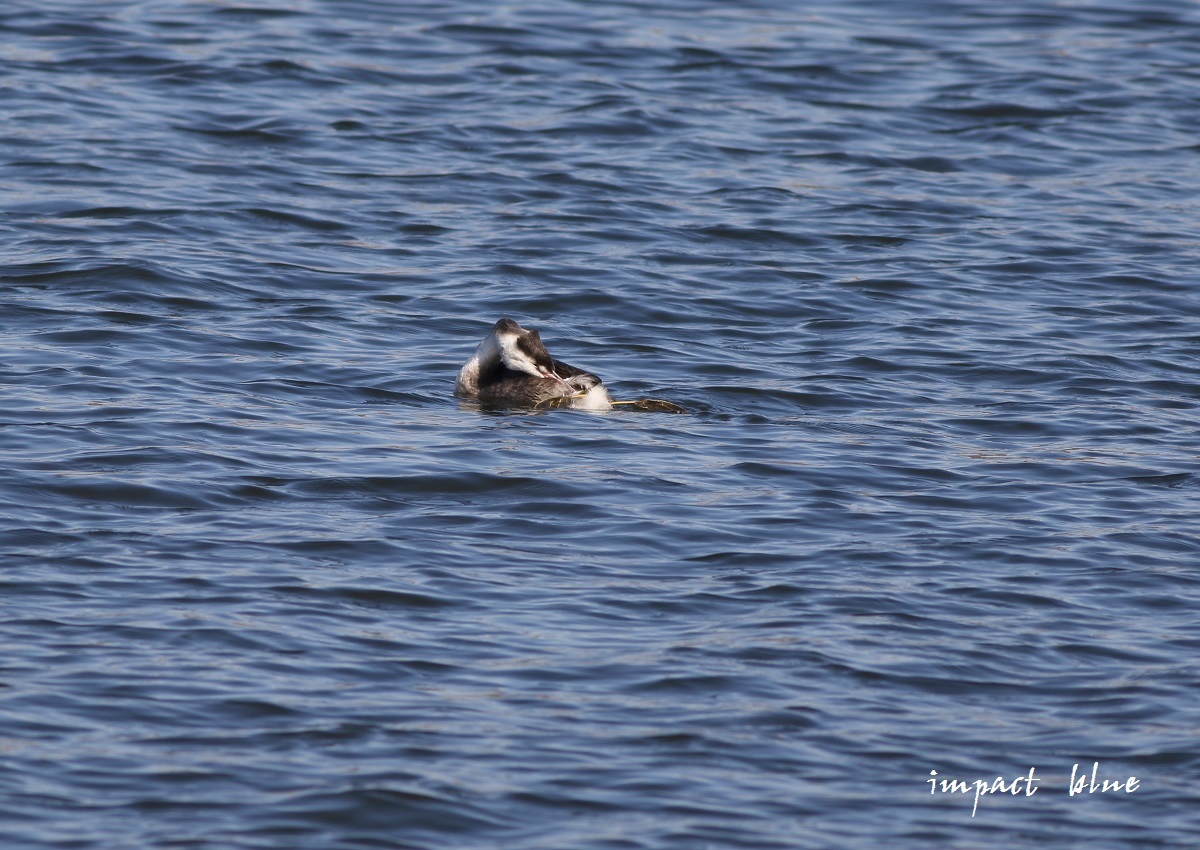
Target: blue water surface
<point>924,273</point>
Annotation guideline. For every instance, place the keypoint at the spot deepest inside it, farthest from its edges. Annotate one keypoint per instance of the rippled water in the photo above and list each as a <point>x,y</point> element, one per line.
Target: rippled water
<point>925,273</point>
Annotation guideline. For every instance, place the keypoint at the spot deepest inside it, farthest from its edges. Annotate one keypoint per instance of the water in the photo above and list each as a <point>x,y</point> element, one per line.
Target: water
<point>925,274</point>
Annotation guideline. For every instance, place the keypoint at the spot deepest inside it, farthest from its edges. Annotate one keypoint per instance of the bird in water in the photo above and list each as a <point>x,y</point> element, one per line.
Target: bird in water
<point>511,367</point>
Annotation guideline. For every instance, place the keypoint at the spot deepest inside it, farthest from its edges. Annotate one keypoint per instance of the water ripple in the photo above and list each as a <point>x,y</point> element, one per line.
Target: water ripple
<point>922,275</point>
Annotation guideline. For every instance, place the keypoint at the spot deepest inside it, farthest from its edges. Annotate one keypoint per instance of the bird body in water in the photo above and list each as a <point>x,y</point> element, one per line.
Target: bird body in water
<point>511,367</point>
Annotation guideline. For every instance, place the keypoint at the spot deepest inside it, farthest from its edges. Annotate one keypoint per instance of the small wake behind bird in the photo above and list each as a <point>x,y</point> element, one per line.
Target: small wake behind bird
<point>511,367</point>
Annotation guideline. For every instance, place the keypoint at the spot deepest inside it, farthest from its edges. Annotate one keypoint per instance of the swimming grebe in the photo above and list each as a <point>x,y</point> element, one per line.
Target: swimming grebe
<point>512,368</point>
